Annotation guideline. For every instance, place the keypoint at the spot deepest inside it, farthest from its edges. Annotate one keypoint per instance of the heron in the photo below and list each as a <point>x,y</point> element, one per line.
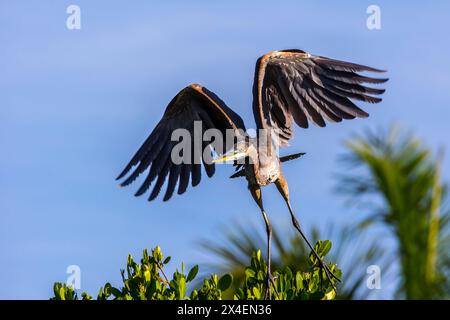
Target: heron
<point>290,86</point>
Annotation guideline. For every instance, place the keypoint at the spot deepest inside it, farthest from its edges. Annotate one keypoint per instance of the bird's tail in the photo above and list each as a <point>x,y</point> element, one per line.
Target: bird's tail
<point>241,172</point>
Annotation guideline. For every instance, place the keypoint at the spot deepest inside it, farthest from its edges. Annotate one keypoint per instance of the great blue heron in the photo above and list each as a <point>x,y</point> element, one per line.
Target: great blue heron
<point>288,85</point>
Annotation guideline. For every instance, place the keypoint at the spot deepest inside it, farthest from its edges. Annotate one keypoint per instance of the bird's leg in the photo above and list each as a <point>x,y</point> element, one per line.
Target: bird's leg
<point>256,193</point>
<point>282,187</point>
<point>268,294</point>
<point>323,265</point>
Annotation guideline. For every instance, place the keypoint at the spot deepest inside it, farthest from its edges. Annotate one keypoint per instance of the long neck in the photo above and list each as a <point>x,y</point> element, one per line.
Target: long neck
<point>267,150</point>
<point>265,162</point>
<point>262,151</point>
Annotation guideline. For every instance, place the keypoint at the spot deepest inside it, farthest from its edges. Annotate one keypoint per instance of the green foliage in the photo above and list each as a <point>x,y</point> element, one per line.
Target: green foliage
<point>63,292</point>
<point>399,185</point>
<point>395,179</point>
<point>354,252</point>
<point>148,281</point>
<point>310,285</point>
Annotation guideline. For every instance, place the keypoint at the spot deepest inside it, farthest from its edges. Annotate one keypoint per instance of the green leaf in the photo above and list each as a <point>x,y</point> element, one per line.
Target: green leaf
<point>256,293</point>
<point>157,255</point>
<point>56,288</point>
<point>288,273</point>
<point>249,273</point>
<point>62,295</point>
<point>182,288</point>
<point>225,282</point>
<point>107,289</point>
<point>116,292</point>
<point>299,281</point>
<point>192,273</point>
<point>147,275</point>
<point>325,248</point>
<point>86,296</point>
<point>143,280</point>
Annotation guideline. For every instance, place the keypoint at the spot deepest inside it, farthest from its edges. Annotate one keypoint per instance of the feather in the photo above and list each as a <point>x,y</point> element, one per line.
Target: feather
<point>193,103</point>
<point>314,88</point>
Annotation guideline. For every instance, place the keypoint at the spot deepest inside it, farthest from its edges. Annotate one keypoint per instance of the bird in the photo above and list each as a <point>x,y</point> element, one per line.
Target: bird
<point>290,87</point>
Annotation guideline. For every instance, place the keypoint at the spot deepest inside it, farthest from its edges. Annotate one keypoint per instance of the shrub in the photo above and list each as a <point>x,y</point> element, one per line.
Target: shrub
<point>148,281</point>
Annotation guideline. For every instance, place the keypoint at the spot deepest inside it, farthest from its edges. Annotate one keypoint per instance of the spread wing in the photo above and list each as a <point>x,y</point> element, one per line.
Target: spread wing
<point>193,103</point>
<point>292,85</point>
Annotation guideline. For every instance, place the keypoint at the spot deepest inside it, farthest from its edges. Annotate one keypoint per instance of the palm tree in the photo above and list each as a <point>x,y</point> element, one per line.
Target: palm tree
<point>353,253</point>
<point>398,182</point>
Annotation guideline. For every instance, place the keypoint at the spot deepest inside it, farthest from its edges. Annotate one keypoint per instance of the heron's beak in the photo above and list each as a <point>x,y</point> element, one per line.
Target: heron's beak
<point>233,156</point>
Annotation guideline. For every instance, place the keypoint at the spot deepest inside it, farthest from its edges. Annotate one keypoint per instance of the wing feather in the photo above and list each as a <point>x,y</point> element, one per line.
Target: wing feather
<point>293,84</point>
<point>193,103</point>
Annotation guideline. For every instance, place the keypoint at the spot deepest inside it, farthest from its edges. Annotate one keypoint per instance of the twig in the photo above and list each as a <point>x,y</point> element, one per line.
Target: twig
<point>162,271</point>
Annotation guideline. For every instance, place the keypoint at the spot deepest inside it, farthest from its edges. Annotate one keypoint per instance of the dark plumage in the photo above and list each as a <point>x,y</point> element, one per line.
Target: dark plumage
<point>289,86</point>
<point>193,103</point>
<point>292,84</point>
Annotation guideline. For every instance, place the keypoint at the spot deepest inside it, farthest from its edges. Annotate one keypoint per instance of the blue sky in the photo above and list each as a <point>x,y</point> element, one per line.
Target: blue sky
<point>75,105</point>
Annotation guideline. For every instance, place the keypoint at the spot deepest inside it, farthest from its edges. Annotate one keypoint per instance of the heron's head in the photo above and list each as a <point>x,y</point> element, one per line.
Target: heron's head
<point>242,149</point>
